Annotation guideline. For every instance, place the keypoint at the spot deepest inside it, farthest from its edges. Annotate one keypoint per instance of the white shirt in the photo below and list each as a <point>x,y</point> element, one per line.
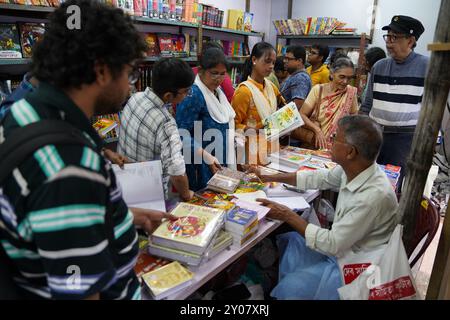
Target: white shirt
<point>365,211</point>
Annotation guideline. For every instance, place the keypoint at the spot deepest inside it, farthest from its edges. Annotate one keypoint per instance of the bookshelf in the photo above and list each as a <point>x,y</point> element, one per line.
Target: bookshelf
<point>11,13</point>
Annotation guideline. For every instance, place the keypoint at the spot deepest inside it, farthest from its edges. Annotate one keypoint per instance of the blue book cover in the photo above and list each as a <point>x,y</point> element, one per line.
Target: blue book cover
<point>242,216</point>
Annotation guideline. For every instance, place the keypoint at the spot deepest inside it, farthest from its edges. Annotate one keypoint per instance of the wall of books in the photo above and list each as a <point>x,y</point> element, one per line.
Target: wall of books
<point>313,26</point>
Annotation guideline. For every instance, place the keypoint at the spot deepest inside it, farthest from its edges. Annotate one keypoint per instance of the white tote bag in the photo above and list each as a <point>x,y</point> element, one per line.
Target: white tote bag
<point>382,274</point>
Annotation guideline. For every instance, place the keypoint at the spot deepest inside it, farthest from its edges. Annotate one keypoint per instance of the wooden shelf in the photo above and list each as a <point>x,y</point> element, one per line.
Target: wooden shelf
<point>19,62</point>
<point>26,8</point>
<point>163,22</point>
<point>18,9</point>
<point>327,37</point>
<point>242,33</point>
<point>9,62</point>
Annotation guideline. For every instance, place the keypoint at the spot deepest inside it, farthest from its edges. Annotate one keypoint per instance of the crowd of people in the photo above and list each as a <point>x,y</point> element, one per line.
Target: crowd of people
<point>54,204</point>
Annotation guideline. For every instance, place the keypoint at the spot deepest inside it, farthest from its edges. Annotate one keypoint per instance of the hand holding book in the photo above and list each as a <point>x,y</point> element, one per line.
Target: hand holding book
<point>149,219</point>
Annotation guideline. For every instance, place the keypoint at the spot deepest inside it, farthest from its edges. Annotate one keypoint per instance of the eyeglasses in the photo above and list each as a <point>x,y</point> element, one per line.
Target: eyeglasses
<point>289,59</point>
<point>134,74</point>
<point>393,37</point>
<point>216,75</point>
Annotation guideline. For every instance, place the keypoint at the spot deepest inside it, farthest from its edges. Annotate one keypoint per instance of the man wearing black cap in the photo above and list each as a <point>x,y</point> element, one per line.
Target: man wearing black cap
<point>395,90</point>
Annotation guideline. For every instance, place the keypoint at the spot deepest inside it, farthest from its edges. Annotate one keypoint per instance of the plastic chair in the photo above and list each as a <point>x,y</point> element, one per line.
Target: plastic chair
<point>426,227</point>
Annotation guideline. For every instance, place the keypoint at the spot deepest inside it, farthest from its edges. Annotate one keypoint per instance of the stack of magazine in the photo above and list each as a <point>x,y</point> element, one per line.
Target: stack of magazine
<point>282,121</point>
<point>167,280</point>
<point>194,236</point>
<point>226,180</point>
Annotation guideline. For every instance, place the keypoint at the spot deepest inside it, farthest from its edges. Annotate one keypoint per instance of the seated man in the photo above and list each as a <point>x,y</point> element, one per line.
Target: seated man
<point>365,214</point>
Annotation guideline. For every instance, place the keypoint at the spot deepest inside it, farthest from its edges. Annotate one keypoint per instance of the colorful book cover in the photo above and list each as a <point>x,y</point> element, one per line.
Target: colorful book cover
<point>167,278</point>
<point>103,126</point>
<point>165,43</point>
<point>192,231</point>
<point>9,41</point>
<point>251,186</point>
<point>235,19</point>
<point>152,43</point>
<point>240,218</point>
<point>248,21</point>
<point>223,184</point>
<point>146,263</point>
<point>289,158</point>
<point>282,121</point>
<point>220,204</point>
<point>30,33</point>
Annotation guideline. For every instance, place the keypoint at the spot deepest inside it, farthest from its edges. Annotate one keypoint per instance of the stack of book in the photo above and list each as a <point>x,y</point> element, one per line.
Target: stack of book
<point>322,25</point>
<point>146,263</point>
<point>167,280</point>
<point>242,224</point>
<point>290,158</point>
<point>189,237</point>
<point>290,27</point>
<point>282,121</point>
<point>222,241</point>
<point>303,159</point>
<point>393,174</point>
<point>225,181</point>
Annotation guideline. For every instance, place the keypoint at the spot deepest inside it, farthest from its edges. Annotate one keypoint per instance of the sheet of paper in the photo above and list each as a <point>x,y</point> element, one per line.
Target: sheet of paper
<point>155,205</point>
<point>251,196</point>
<point>280,191</point>
<point>262,211</point>
<point>281,167</point>
<point>293,203</point>
<point>141,183</point>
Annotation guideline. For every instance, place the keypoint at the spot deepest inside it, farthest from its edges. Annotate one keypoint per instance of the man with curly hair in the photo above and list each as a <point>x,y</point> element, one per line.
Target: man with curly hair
<point>53,206</point>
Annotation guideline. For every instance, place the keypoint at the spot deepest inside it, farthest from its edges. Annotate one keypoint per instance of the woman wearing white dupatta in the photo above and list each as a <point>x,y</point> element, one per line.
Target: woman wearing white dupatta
<point>256,97</point>
<point>207,105</point>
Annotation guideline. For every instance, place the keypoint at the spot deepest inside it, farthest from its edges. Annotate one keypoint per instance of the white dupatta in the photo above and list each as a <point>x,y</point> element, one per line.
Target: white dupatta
<point>265,108</point>
<point>222,112</point>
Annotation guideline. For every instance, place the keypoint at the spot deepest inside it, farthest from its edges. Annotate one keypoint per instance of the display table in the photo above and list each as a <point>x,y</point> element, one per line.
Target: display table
<point>209,269</point>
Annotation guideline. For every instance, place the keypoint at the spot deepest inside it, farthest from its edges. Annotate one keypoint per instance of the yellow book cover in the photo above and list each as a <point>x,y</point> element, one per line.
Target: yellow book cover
<point>235,19</point>
<point>167,279</point>
<point>192,231</point>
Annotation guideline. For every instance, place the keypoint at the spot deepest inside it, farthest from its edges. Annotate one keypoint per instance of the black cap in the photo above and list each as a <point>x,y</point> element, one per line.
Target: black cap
<point>406,25</point>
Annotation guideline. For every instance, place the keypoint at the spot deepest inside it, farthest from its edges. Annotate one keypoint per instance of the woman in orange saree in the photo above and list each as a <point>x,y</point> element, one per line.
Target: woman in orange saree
<point>326,104</point>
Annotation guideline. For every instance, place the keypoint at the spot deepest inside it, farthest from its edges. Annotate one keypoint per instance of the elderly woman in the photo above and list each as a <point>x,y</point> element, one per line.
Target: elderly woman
<point>208,104</point>
<point>326,104</point>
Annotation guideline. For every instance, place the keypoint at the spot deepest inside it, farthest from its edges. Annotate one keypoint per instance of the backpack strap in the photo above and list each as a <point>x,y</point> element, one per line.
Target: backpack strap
<point>25,140</point>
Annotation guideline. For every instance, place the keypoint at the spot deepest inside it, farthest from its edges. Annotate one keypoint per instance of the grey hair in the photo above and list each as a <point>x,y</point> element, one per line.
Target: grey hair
<point>340,63</point>
<point>363,133</point>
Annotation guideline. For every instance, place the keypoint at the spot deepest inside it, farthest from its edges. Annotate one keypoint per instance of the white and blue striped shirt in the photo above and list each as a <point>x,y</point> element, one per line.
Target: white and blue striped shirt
<point>395,91</point>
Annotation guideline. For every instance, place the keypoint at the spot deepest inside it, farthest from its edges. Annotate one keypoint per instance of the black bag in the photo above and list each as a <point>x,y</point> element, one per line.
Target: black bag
<point>18,147</point>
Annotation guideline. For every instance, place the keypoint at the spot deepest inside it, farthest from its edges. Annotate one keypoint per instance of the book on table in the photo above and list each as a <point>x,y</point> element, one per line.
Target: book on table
<point>167,280</point>
<point>192,231</point>
<point>141,184</point>
<point>282,121</point>
<point>289,158</point>
<point>223,184</point>
<point>222,241</point>
<point>146,263</point>
<point>240,220</point>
